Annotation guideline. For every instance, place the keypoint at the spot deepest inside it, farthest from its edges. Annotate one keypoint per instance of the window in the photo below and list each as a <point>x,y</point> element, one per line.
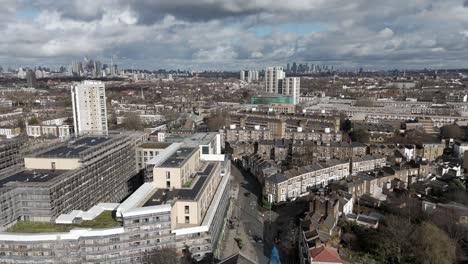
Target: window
<point>187,209</point>
<point>205,150</point>
<point>168,174</point>
<point>168,184</point>
<point>52,165</point>
<point>187,219</point>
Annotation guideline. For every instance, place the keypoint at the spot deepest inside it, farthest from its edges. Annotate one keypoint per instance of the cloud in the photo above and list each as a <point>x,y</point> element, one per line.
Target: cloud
<point>233,34</point>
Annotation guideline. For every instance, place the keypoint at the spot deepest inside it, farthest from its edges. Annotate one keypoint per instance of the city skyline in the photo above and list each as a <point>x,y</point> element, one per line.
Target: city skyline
<point>232,35</point>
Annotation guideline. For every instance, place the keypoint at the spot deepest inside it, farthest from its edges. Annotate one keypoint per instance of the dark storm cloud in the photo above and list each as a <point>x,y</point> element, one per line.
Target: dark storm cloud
<point>237,33</point>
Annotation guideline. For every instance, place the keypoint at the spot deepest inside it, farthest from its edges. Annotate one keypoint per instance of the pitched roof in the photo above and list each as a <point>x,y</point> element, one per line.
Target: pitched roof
<point>277,178</point>
<point>325,254</point>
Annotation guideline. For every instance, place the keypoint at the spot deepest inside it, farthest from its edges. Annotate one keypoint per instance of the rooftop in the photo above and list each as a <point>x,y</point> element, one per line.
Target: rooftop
<point>154,145</point>
<point>162,196</point>
<point>178,158</point>
<point>74,148</point>
<point>31,176</point>
<point>104,220</point>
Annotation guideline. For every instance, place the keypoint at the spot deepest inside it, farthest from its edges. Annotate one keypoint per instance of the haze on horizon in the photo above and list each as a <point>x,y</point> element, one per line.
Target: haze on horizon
<point>235,34</point>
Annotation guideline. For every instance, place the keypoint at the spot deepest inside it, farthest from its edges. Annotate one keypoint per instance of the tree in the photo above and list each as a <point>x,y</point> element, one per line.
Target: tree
<point>346,125</point>
<point>33,121</point>
<point>161,256</point>
<point>451,131</point>
<point>359,135</point>
<point>217,121</point>
<point>132,122</point>
<point>432,245</point>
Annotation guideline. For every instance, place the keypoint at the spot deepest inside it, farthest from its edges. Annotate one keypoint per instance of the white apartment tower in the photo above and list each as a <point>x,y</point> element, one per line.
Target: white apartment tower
<point>292,87</point>
<point>242,75</point>
<point>273,77</point>
<point>276,82</point>
<point>89,108</point>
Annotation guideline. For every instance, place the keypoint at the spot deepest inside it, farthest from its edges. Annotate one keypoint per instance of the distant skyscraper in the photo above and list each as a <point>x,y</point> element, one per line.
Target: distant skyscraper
<point>31,78</point>
<point>89,107</point>
<point>273,77</point>
<point>97,69</point>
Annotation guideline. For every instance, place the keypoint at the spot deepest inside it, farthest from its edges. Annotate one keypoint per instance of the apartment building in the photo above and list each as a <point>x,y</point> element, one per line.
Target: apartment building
<point>89,107</point>
<point>147,151</point>
<point>280,124</point>
<point>189,216</point>
<point>10,152</point>
<point>56,128</point>
<point>298,182</point>
<point>10,131</point>
<point>276,82</point>
<point>73,175</point>
<point>432,151</point>
<point>273,79</point>
<point>237,134</point>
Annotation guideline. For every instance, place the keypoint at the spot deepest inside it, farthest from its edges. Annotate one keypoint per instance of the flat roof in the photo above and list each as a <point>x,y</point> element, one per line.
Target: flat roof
<point>74,148</point>
<point>178,158</point>
<point>162,196</point>
<point>154,145</point>
<point>32,176</point>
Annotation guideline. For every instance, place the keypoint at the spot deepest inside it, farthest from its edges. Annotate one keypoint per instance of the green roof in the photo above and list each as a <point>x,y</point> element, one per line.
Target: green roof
<point>104,220</point>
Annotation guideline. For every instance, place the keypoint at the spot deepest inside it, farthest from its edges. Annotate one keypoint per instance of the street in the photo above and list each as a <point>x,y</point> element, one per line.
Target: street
<point>257,227</point>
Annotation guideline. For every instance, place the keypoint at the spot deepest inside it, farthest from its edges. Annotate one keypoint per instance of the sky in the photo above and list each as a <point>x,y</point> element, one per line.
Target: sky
<point>236,34</point>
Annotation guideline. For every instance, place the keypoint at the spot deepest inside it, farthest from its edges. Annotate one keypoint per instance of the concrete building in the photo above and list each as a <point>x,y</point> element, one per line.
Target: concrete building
<point>276,82</point>
<point>147,151</point>
<point>152,218</point>
<point>89,108</point>
<point>273,79</point>
<point>31,78</point>
<point>73,175</point>
<point>292,87</point>
<point>10,153</point>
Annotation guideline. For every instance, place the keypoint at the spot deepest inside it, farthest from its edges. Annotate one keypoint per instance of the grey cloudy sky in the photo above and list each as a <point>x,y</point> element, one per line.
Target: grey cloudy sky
<point>233,34</point>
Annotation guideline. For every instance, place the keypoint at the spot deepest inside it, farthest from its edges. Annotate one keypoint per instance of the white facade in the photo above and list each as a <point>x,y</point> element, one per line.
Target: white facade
<point>10,132</point>
<point>292,87</point>
<point>89,107</point>
<point>273,75</point>
<point>276,82</point>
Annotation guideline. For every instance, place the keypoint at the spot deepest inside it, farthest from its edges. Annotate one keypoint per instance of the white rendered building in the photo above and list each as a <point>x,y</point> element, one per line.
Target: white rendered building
<point>89,107</point>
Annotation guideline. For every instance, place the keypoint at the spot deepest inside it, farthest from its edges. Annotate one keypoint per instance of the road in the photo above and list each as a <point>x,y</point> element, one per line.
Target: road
<point>247,209</point>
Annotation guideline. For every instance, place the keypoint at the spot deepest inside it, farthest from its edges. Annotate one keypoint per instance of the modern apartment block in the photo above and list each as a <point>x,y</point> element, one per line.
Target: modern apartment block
<point>273,79</point>
<point>187,216</point>
<point>292,87</point>
<point>276,82</point>
<point>89,107</point>
<point>72,175</point>
<point>147,151</point>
